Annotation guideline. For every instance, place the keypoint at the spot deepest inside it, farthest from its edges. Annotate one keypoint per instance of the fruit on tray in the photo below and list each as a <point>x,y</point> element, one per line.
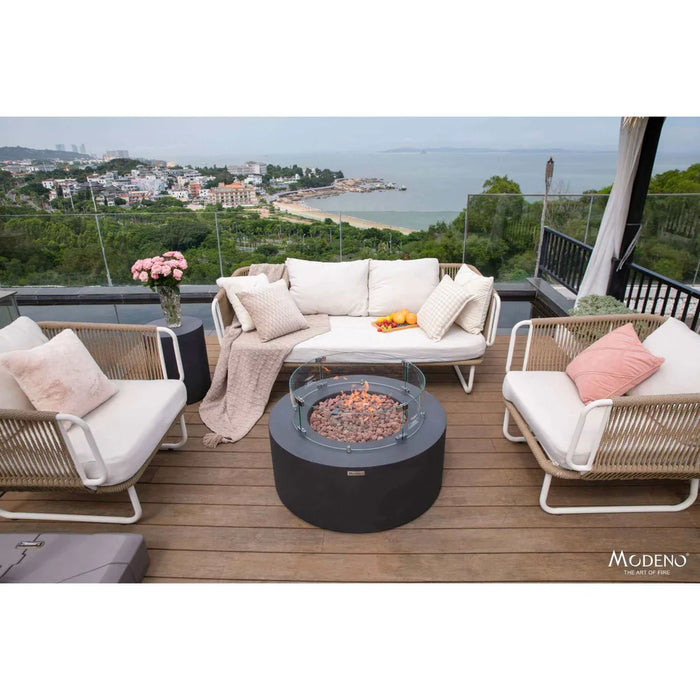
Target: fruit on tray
<point>395,319</point>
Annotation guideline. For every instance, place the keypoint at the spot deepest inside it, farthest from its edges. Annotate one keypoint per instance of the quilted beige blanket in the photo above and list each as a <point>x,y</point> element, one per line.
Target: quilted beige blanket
<point>244,377</point>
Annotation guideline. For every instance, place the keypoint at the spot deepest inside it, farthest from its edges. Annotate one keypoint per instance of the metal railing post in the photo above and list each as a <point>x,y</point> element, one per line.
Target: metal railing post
<point>466,232</point>
<point>218,243</point>
<point>588,221</point>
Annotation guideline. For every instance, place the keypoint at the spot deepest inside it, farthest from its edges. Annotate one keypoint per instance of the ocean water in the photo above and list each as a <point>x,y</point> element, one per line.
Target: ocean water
<point>437,183</point>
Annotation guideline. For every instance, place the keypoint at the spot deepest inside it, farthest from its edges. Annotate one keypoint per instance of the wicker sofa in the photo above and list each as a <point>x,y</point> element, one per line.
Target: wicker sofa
<point>351,337</point>
<point>652,432</point>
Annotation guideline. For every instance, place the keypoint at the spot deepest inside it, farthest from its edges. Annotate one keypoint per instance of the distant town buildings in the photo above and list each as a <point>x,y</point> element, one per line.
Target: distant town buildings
<point>152,181</point>
<point>234,195</point>
<point>60,146</point>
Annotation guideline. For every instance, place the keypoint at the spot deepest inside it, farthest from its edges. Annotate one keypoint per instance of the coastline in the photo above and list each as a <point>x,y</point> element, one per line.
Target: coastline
<point>302,209</point>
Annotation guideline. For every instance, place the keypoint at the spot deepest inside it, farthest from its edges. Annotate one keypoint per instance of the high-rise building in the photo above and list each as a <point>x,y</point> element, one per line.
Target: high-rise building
<point>74,148</point>
<point>82,148</point>
<point>60,146</point>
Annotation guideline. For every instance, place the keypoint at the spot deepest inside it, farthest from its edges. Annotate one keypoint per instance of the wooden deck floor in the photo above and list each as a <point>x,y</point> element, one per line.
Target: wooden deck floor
<point>214,515</point>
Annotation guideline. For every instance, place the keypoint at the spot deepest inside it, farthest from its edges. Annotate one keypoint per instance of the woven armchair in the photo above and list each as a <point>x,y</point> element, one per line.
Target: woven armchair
<point>107,450</point>
<point>627,437</point>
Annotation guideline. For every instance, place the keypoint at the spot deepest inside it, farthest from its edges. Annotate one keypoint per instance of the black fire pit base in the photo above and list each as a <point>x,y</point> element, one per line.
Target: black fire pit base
<point>361,490</point>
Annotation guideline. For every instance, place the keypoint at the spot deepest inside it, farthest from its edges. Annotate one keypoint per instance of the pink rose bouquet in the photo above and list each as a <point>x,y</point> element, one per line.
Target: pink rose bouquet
<point>164,270</point>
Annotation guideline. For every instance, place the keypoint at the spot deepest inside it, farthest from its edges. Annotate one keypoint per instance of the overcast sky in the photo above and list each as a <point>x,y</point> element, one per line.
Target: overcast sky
<point>173,137</point>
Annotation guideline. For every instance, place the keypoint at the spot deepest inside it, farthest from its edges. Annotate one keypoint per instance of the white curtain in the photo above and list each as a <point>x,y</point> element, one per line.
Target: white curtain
<point>612,227</point>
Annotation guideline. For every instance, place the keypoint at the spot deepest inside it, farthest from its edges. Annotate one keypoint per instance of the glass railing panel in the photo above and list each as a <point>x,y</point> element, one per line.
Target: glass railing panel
<point>498,234</point>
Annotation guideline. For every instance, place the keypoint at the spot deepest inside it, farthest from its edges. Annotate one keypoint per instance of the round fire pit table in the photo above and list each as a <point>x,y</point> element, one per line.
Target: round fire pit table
<point>369,485</point>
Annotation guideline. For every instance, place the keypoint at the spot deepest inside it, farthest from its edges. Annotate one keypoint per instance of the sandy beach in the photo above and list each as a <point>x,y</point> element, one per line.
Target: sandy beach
<point>301,209</point>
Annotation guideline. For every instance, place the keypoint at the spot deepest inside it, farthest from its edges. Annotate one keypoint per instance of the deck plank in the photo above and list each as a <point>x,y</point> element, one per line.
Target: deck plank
<point>214,515</point>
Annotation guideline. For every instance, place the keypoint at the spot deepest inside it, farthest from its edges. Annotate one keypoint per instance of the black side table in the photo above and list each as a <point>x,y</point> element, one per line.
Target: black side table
<point>193,349</point>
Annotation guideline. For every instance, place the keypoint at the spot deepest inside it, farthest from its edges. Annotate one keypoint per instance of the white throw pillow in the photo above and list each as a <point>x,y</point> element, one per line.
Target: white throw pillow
<point>60,375</point>
<point>680,373</point>
<point>236,285</point>
<point>333,288</point>
<point>441,308</point>
<point>21,334</point>
<point>401,284</point>
<point>473,316</point>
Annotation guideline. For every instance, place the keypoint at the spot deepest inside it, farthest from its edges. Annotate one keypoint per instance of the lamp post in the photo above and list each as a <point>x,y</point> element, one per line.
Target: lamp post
<point>548,173</point>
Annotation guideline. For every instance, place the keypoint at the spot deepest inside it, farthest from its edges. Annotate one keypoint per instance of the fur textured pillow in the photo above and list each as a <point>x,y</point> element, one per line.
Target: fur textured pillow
<point>273,311</point>
<point>60,375</point>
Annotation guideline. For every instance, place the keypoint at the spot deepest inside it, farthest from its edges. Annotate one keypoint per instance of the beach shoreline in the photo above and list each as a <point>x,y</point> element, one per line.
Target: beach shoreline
<point>303,210</point>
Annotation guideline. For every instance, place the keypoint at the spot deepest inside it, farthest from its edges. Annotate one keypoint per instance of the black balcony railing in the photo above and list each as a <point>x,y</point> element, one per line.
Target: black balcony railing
<point>649,292</point>
<point>564,260</point>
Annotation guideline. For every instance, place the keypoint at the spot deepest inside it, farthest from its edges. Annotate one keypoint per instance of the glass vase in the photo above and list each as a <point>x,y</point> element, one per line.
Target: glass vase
<point>170,303</point>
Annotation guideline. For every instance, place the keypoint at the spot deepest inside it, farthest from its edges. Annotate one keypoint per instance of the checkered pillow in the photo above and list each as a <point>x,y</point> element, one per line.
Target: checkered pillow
<point>442,307</point>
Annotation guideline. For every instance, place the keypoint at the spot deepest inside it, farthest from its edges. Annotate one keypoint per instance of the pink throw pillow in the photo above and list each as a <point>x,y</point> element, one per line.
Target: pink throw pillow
<point>612,365</point>
<point>60,376</point>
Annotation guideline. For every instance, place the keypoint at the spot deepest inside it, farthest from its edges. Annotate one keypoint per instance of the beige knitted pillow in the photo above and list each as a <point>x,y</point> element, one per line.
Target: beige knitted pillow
<point>442,307</point>
<point>273,311</point>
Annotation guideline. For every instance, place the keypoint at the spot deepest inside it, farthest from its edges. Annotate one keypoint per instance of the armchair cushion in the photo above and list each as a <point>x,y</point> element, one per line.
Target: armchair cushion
<point>680,373</point>
<point>550,404</point>
<point>612,365</point>
<point>60,375</point>
<point>129,426</point>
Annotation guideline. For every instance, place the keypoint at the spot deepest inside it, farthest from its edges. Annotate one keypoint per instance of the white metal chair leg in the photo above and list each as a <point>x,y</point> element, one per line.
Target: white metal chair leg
<point>182,441</point>
<point>506,432</point>
<point>12,515</point>
<point>615,509</point>
<point>466,385</point>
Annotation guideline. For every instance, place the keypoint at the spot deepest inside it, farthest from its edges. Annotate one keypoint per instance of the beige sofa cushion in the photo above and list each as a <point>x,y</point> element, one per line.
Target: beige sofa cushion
<point>401,284</point>
<point>550,404</point>
<point>354,339</point>
<point>333,288</point>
